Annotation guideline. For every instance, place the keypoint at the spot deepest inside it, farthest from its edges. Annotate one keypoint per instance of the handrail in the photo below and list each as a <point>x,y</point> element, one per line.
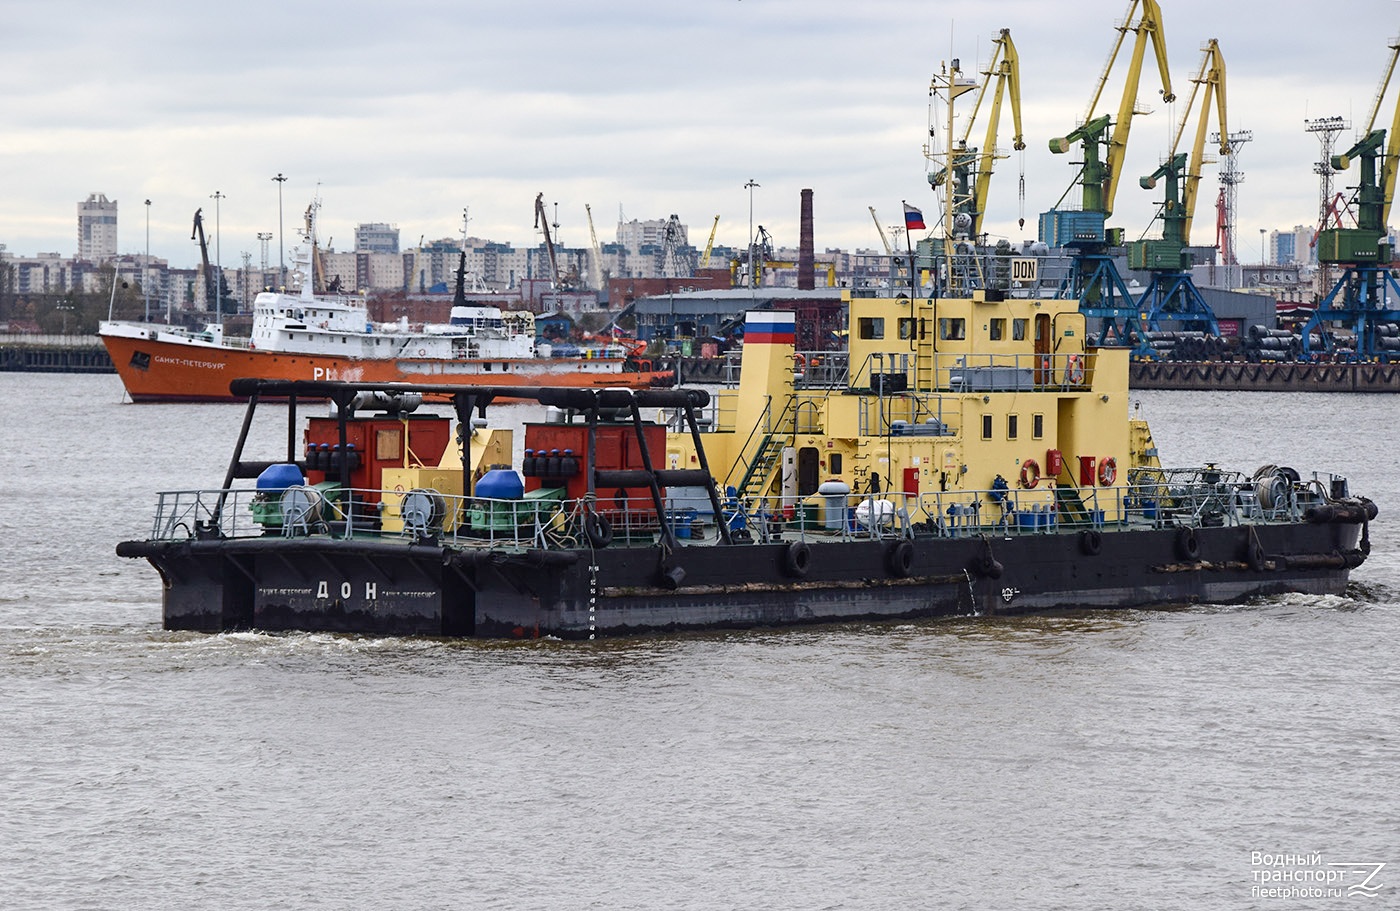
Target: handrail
<point>1155,498</point>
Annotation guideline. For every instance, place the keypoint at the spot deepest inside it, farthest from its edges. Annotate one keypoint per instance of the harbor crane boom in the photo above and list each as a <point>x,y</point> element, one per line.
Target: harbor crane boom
<point>1094,277</point>
<point>542,223</point>
<point>1172,294</point>
<point>595,268</point>
<point>970,193</point>
<point>1100,177</point>
<point>1390,161</point>
<point>1209,85</point>
<point>889,251</point>
<point>211,295</point>
<point>709,245</point>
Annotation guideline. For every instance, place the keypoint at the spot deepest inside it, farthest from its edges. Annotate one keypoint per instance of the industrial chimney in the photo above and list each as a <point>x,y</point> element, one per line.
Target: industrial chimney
<point>806,253</point>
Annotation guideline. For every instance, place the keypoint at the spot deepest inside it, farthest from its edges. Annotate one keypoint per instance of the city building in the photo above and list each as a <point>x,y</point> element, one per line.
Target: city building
<point>97,229</point>
<point>376,238</point>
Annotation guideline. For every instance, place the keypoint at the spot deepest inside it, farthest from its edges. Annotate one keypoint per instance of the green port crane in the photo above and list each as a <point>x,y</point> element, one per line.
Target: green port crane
<point>1094,280</point>
<point>1171,293</point>
<point>1367,294</point>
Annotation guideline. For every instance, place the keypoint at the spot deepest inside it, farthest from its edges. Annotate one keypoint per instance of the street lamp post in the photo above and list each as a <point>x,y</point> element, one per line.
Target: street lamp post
<point>218,257</point>
<point>281,263</point>
<point>752,274</point>
<point>1263,258</point>
<point>146,273</point>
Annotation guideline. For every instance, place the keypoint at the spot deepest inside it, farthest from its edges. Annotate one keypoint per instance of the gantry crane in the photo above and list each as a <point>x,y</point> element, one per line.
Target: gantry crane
<point>1094,280</point>
<point>972,167</point>
<point>1171,294</point>
<point>1367,293</point>
<point>674,261</point>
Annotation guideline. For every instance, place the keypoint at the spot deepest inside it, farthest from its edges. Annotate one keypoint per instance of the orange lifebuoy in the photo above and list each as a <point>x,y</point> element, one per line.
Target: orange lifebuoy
<point>1030,473</point>
<point>799,362</point>
<point>1108,472</point>
<point>1074,370</point>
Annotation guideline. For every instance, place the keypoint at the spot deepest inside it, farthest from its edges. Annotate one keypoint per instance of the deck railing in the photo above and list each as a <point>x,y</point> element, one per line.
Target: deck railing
<point>1152,498</point>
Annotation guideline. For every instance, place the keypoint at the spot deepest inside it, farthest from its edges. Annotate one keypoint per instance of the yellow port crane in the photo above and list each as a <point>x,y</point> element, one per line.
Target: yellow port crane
<point>1183,175</point>
<point>1171,293</point>
<point>1094,279</point>
<point>1001,80</point>
<point>1100,176</point>
<point>709,245</point>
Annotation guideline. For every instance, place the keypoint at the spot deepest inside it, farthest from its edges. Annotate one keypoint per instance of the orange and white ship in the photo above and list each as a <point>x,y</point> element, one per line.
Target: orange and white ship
<point>308,336</point>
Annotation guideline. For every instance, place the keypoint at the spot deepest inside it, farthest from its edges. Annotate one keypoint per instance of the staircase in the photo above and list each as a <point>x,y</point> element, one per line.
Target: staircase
<point>1071,507</point>
<point>755,479</point>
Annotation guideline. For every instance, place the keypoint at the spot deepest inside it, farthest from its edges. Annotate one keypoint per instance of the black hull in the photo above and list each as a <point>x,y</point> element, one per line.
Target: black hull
<point>389,588</point>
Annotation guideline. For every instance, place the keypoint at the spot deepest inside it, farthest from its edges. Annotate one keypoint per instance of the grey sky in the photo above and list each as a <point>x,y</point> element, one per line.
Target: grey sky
<point>406,113</point>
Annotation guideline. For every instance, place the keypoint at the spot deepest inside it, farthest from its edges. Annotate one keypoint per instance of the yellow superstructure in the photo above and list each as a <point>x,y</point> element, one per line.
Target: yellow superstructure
<point>940,402</point>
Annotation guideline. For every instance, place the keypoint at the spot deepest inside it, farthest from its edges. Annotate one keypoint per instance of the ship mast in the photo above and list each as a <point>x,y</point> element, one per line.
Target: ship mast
<point>950,83</point>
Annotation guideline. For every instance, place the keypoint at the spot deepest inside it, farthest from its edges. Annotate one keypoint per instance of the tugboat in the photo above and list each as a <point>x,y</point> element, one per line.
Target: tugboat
<point>963,457</point>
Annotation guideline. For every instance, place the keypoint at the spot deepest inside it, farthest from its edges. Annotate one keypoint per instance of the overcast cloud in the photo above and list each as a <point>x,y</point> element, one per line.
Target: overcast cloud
<point>408,113</point>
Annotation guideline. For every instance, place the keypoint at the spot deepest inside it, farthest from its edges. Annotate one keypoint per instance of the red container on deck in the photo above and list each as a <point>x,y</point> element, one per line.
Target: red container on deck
<point>373,444</point>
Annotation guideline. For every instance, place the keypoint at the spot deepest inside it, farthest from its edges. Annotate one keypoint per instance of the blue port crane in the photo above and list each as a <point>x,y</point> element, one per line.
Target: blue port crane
<point>1367,295</point>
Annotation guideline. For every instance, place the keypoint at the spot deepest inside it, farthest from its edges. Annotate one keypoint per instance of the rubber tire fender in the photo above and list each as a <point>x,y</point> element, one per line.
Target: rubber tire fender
<point>797,559</point>
<point>1090,542</point>
<point>899,559</point>
<point>1188,546</point>
<point>597,530</point>
<point>987,565</point>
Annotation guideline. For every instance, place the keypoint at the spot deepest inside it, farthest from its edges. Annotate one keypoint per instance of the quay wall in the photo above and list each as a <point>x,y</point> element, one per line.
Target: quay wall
<point>22,352</point>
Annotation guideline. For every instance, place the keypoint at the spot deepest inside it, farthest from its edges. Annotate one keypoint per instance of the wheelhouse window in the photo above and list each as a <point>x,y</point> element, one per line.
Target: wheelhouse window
<point>872,327</point>
<point>996,329</point>
<point>1011,426</point>
<point>986,426</point>
<point>1018,330</point>
<point>1037,426</point>
<point>952,328</point>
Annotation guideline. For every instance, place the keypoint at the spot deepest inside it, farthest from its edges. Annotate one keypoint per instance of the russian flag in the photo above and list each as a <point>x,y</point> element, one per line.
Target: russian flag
<point>913,219</point>
<point>770,327</point>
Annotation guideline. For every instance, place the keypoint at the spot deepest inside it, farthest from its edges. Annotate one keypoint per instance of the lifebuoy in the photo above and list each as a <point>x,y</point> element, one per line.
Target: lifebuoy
<point>1030,473</point>
<point>900,559</point>
<point>799,362</point>
<point>1074,370</point>
<point>797,559</point>
<point>597,530</point>
<point>1108,472</point>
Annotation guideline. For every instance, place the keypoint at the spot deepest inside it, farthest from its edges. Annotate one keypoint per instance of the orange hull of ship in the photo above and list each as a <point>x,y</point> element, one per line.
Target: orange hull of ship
<point>162,371</point>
